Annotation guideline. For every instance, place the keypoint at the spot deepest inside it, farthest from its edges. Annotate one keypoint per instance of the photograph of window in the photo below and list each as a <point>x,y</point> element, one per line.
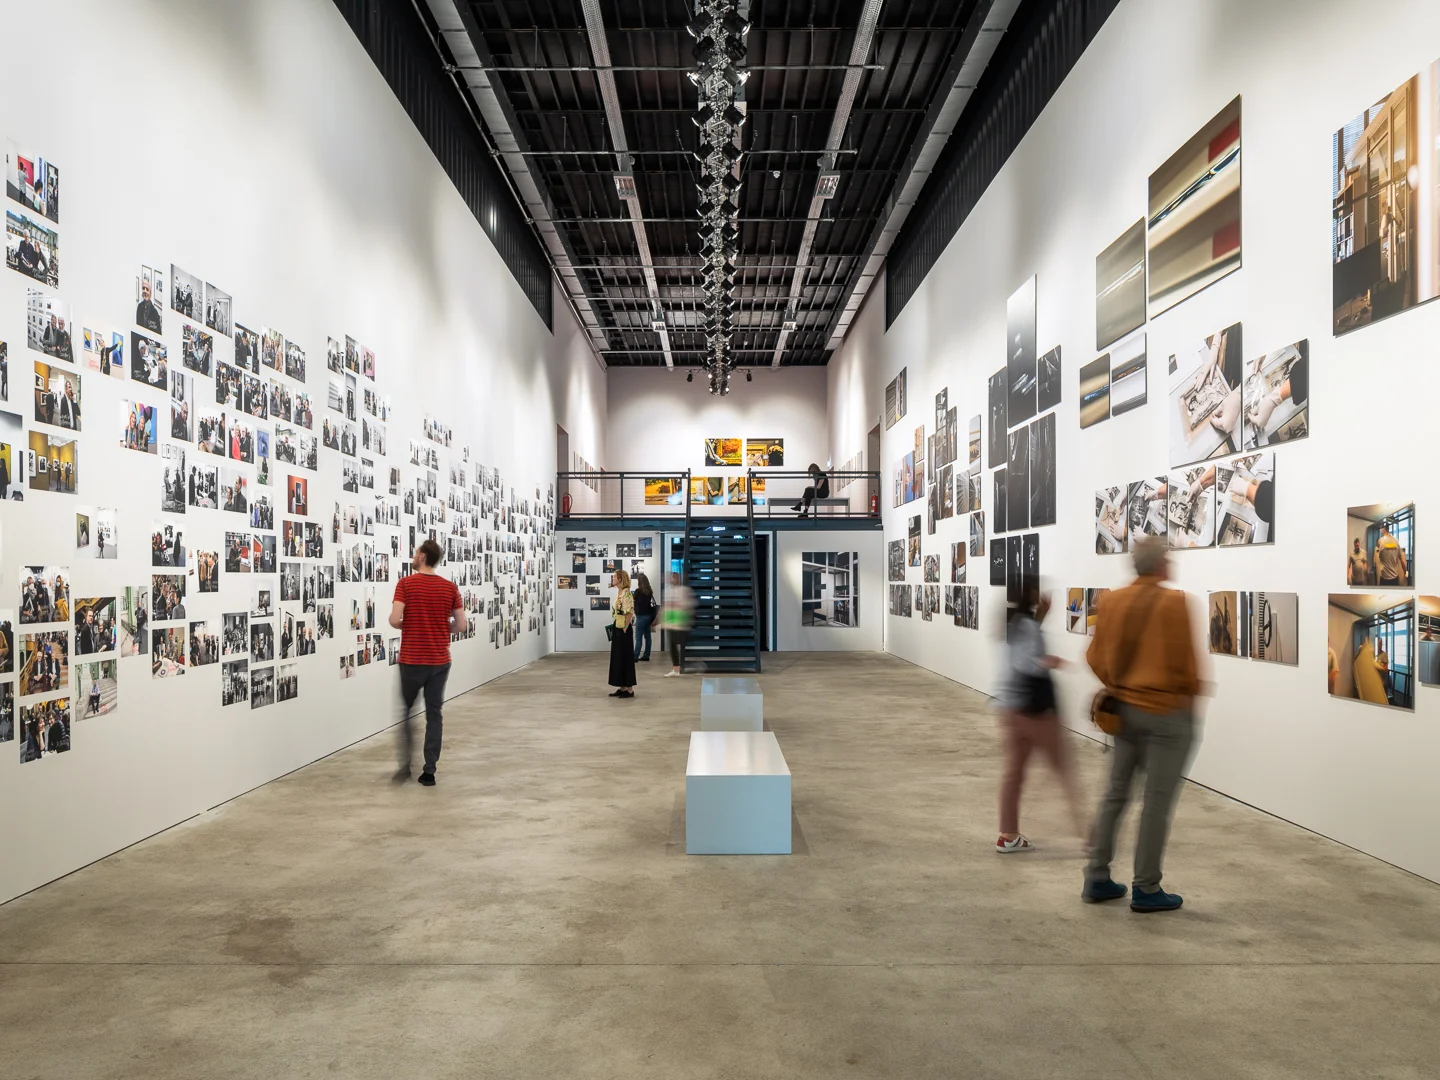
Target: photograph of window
<point>1120,287</point>
<point>1205,397</point>
<point>1380,546</point>
<point>1277,396</point>
<point>830,588</point>
<point>1095,392</point>
<point>1194,215</point>
<point>1020,354</point>
<point>1428,668</point>
<point>1371,642</point>
<point>1385,224</point>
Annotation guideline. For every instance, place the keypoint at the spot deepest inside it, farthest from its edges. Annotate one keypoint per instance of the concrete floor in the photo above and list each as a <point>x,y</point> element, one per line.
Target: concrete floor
<point>535,916</point>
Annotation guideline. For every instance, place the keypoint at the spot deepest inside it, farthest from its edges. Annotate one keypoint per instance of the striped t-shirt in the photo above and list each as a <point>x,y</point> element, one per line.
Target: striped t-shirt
<point>428,600</point>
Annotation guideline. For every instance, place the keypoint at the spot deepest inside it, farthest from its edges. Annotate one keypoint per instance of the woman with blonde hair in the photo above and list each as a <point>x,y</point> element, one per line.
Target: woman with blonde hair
<point>622,638</point>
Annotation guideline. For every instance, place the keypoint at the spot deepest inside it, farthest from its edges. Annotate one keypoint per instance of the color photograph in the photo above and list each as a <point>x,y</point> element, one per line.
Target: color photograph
<point>1112,522</point>
<point>1205,398</point>
<point>1095,392</point>
<point>135,620</point>
<point>1191,507</point>
<point>664,491</point>
<point>1371,641</point>
<point>44,662</point>
<point>959,556</point>
<point>1385,219</point>
<point>32,249</point>
<point>1021,355</point>
<point>1428,667</point>
<point>95,625</point>
<point>1380,546</point>
<point>149,361</point>
<point>1224,637</point>
<point>1128,375</point>
<point>1194,213</point>
<point>1245,500</point>
<point>1120,287</point>
<point>1273,621</point>
<point>167,652</point>
<point>44,729</point>
<point>96,535</point>
<point>32,181</point>
<point>762,453</point>
<point>57,396</point>
<point>137,427</point>
<point>896,560</point>
<point>1277,396</point>
<point>97,688</point>
<point>44,594</point>
<point>723,452</point>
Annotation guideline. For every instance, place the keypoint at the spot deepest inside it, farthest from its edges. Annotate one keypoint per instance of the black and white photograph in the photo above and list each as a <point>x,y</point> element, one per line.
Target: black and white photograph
<point>32,249</point>
<point>896,561</point>
<point>1128,375</point>
<point>998,559</point>
<point>1191,507</point>
<point>999,394</point>
<point>262,599</point>
<point>247,350</point>
<point>204,645</point>
<point>1017,482</point>
<point>1148,508</point>
<point>173,479</point>
<point>262,641</point>
<point>830,587</point>
<point>197,349</point>
<point>1030,562</point>
<point>977,534</point>
<point>1277,397</point>
<point>1193,238</point>
<point>1120,287</point>
<point>1048,378</point>
<point>1272,627</point>
<point>999,500</point>
<point>1014,569</point>
<point>1205,397</point>
<point>959,562</point>
<point>167,652</point>
<point>1379,546</point>
<point>167,544</point>
<point>149,361</point>
<point>48,325</point>
<point>262,687</point>
<point>1245,500</point>
<point>182,421</point>
<point>1021,353</point>
<point>1095,392</point>
<point>187,293</point>
<point>334,355</point>
<point>167,597</point>
<point>234,682</point>
<point>287,682</point>
<point>217,310</point>
<point>57,396</point>
<point>97,688</point>
<point>1042,471</point>
<point>235,634</point>
<point>577,618</point>
<point>294,361</point>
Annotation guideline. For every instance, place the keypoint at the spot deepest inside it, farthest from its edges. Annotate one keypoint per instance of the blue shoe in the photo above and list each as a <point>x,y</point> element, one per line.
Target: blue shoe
<point>1100,890</point>
<point>1159,900</point>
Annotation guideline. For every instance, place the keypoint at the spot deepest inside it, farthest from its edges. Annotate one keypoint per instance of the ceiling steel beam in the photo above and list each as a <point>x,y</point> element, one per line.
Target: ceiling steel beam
<point>605,76</point>
<point>859,52</point>
<point>466,45</point>
<point>977,45</point>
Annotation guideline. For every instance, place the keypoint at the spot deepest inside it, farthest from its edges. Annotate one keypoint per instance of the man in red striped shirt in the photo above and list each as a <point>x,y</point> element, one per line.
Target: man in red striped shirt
<point>427,607</point>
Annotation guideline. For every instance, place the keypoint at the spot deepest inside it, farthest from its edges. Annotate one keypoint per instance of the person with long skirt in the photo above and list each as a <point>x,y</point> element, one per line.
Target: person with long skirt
<point>622,641</point>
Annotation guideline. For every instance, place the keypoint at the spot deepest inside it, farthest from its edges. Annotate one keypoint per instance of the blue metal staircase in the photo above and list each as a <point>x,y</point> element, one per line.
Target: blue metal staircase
<point>720,568</point>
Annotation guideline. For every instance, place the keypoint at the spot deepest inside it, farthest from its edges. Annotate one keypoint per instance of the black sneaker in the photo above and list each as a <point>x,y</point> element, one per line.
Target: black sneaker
<point>427,779</point>
<point>625,693</point>
<point>1159,900</point>
<point>618,693</point>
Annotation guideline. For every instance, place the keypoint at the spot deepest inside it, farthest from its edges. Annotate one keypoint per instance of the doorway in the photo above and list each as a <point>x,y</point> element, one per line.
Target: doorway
<point>762,589</point>
<point>872,464</point>
<point>562,465</point>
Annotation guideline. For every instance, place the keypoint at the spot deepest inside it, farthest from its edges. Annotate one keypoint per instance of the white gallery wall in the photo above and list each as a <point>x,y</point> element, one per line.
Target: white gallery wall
<point>1154,75</point>
<point>573,546</point>
<point>255,145</point>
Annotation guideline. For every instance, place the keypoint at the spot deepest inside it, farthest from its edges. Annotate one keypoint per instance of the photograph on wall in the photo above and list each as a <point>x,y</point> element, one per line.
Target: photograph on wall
<point>97,688</point>
<point>234,682</point>
<point>1014,569</point>
<point>57,396</point>
<point>262,687</point>
<point>137,427</point>
<point>1277,396</point>
<point>1371,639</point>
<point>760,453</point>
<point>197,349</point>
<point>1095,392</point>
<point>599,603</point>
<point>7,643</point>
<point>997,561</point>
<point>95,625</point>
<point>54,463</point>
<point>272,350</point>
<point>1190,495</point>
<point>1120,287</point>
<point>830,588</point>
<point>1020,353</point>
<point>913,546</point>
<point>998,390</point>
<point>932,568</point>
<point>1017,481</point>
<point>707,491</point>
<point>577,618</point>
<point>182,420</point>
<point>149,361</point>
<point>237,552</point>
<point>1048,378</point>
<point>167,652</point>
<point>150,299</point>
<point>297,496</point>
<point>32,181</point>
<point>1273,621</point>
<point>235,634</point>
<point>1380,546</point>
<point>95,533</point>
<point>1042,471</point>
<point>1385,206</point>
<point>217,310</point>
<point>664,491</point>
<point>1194,216</point>
<point>167,597</point>
<point>567,581</point>
<point>262,641</point>
<point>1205,397</point>
<point>173,479</point>
<point>896,404</point>
<point>1128,375</point>
<point>896,560</point>
<point>1030,562</point>
<point>32,249</point>
<point>202,487</point>
<point>187,293</point>
<point>13,456</point>
<point>234,498</point>
<point>1112,521</point>
<point>723,452</point>
<point>207,571</point>
<point>104,352</point>
<point>44,729</point>
<point>1076,621</point>
<point>134,620</point>
<point>44,662</point>
<point>977,534</point>
<point>1428,664</point>
<point>738,490</point>
<point>1245,500</point>
<point>997,511</point>
<point>1224,619</point>
<point>959,554</point>
<point>1148,509</point>
<point>48,325</point>
<point>930,602</point>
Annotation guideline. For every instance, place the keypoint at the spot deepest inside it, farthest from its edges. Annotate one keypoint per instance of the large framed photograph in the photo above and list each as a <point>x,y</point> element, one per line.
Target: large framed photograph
<point>1205,397</point>
<point>1371,642</point>
<point>1277,396</point>
<point>1120,287</point>
<point>1021,355</point>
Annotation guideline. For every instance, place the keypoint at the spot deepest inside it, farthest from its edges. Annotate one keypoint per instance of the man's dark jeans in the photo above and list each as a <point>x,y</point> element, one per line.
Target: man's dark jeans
<point>429,678</point>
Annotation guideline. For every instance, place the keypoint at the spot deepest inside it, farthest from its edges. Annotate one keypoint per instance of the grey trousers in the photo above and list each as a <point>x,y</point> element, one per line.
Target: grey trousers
<point>1160,745</point>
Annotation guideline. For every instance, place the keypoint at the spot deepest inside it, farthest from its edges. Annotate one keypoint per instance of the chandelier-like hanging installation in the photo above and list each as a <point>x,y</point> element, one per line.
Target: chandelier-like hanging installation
<point>719,34</point>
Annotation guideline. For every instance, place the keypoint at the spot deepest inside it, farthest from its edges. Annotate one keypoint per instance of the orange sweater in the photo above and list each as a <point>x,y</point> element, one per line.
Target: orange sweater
<point>1161,676</point>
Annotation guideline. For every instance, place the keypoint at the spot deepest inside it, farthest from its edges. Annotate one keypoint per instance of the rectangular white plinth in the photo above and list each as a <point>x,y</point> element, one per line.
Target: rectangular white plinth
<point>732,704</point>
<point>737,794</point>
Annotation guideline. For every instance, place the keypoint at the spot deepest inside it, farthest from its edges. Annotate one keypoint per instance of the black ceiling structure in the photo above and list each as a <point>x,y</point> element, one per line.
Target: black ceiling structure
<point>588,110</point>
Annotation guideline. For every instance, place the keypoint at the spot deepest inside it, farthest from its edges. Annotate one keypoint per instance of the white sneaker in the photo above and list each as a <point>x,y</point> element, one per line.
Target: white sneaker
<point>672,674</point>
<point>1009,847</point>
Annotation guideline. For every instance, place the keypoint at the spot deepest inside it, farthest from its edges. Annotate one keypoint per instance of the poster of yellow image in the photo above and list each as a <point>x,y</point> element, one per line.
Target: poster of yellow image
<point>663,491</point>
<point>721,452</point>
<point>764,453</point>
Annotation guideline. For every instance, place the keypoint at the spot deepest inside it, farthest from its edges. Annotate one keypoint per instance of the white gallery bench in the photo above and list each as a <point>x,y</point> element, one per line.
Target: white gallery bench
<point>737,794</point>
<point>731,704</point>
<point>832,504</point>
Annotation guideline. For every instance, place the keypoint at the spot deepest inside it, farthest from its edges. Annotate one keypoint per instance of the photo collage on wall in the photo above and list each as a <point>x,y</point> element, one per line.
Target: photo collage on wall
<point>592,567</point>
<point>217,406</point>
<point>723,490</point>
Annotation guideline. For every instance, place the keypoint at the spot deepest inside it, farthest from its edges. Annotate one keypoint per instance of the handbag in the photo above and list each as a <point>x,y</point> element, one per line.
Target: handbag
<point>610,631</point>
<point>1105,707</point>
